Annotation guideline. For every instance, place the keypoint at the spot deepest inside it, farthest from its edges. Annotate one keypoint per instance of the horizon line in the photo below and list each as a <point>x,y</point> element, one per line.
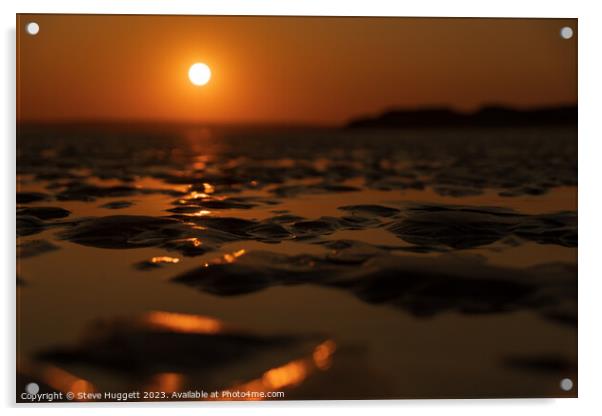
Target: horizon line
<point>282,123</point>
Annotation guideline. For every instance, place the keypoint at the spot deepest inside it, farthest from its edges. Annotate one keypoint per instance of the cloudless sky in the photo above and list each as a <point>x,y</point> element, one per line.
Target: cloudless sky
<point>286,69</point>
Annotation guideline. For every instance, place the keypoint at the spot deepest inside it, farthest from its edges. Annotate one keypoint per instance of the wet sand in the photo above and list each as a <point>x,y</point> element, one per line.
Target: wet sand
<point>325,263</point>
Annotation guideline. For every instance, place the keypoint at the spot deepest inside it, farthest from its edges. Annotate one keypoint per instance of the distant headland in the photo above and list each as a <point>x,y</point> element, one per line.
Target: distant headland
<point>491,116</point>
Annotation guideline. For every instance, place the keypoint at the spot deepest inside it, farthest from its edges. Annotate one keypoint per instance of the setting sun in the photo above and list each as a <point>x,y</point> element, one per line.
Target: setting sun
<point>199,74</point>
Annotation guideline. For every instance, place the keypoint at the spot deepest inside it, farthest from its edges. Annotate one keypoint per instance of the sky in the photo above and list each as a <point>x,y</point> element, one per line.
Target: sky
<point>310,70</point>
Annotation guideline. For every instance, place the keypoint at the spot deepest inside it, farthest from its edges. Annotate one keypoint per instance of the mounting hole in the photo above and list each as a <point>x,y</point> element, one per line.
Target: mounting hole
<point>32,28</point>
<point>32,388</point>
<point>566,32</point>
<point>566,384</point>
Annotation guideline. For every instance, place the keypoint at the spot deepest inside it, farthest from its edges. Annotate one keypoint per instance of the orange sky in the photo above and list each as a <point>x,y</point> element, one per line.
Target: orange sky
<point>286,69</point>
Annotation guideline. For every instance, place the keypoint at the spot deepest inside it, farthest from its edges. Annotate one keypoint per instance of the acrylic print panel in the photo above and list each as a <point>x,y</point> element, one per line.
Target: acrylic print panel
<point>286,208</point>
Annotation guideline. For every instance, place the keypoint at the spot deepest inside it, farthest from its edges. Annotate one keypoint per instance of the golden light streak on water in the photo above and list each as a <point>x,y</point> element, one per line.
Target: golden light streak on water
<point>180,322</point>
<point>166,382</point>
<point>226,258</point>
<point>165,259</point>
<point>290,374</point>
<point>64,381</point>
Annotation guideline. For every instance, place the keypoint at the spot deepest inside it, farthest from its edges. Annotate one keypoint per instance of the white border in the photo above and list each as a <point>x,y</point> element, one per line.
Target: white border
<point>590,209</point>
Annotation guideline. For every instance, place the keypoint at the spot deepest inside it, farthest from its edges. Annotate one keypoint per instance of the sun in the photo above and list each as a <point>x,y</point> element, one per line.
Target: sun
<point>199,74</point>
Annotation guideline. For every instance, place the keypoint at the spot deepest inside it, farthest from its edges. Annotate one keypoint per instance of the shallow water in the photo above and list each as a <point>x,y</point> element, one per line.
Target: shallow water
<point>324,263</point>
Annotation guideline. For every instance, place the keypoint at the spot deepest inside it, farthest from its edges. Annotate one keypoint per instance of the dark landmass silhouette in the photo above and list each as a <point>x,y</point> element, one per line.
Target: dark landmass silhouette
<point>491,116</point>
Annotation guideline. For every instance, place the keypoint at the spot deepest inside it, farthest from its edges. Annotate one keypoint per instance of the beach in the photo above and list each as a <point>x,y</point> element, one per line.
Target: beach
<point>328,263</point>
